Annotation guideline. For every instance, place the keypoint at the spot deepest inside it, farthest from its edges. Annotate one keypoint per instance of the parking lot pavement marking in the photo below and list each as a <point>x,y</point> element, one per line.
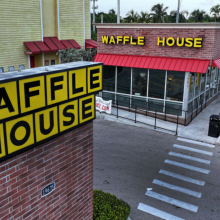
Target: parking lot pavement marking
<point>196,142</point>
<point>193,149</point>
<point>157,212</point>
<point>177,188</point>
<point>172,201</point>
<point>186,166</point>
<point>184,178</point>
<point>189,157</point>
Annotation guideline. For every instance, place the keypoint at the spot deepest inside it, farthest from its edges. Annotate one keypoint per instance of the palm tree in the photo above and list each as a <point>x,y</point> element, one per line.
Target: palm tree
<point>182,16</point>
<point>215,10</point>
<point>159,13</point>
<point>197,15</point>
<point>144,17</point>
<point>132,16</point>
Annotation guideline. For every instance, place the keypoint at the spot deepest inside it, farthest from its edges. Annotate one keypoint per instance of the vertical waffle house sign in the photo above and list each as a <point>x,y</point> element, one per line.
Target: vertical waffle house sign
<point>39,104</point>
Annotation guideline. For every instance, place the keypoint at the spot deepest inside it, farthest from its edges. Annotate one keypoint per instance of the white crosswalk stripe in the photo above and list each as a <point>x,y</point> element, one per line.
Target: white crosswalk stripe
<point>172,201</point>
<point>184,178</point>
<point>157,212</point>
<point>177,188</point>
<point>186,166</point>
<point>196,142</point>
<point>193,149</point>
<point>189,157</point>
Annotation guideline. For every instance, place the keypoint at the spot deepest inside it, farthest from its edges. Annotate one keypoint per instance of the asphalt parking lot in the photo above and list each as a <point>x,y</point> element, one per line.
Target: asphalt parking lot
<point>184,177</point>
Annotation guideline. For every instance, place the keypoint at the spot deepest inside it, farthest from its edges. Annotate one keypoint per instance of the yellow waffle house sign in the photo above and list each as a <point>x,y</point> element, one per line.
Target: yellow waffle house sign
<point>39,104</point>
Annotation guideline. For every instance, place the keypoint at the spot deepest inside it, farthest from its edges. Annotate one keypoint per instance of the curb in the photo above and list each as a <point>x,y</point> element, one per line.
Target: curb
<point>218,142</point>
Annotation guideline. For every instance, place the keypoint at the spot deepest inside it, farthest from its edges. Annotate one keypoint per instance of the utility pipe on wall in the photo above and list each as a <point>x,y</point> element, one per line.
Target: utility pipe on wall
<point>118,12</point>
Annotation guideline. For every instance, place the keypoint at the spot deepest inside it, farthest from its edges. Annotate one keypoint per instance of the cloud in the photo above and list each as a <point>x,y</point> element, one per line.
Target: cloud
<point>206,2</point>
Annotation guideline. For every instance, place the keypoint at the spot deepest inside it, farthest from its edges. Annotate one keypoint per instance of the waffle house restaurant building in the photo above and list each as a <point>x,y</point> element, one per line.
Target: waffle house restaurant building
<point>172,68</point>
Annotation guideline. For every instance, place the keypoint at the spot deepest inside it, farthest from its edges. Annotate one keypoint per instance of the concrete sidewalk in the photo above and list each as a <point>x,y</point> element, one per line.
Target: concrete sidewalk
<point>196,130</point>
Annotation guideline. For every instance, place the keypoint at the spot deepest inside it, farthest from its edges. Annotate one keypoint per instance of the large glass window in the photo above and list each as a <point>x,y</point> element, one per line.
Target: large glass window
<point>139,82</point>
<point>123,80</point>
<point>191,86</point>
<point>202,81</point>
<point>123,100</point>
<point>109,96</point>
<point>157,83</point>
<point>208,78</point>
<point>155,105</point>
<point>174,108</point>
<point>109,78</point>
<point>175,85</point>
<point>139,102</point>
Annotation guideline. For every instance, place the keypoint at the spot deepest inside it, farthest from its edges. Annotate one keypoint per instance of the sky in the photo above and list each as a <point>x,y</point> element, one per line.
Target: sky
<point>143,5</point>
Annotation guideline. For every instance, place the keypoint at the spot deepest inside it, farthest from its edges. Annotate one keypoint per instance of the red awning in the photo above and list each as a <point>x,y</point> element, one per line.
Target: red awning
<point>216,62</point>
<point>74,44</point>
<point>57,43</point>
<point>32,47</point>
<point>150,62</point>
<point>50,44</point>
<point>43,47</point>
<point>67,44</point>
<point>89,43</point>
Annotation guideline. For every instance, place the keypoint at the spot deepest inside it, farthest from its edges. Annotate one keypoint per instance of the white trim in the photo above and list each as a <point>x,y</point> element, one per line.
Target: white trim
<point>186,93</point>
<point>58,18</point>
<point>29,61</point>
<point>90,24</point>
<point>165,92</point>
<point>84,28</point>
<point>160,25</point>
<point>41,15</point>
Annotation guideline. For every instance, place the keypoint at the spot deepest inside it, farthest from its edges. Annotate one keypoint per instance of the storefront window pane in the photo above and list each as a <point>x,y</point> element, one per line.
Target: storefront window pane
<point>174,108</point>
<point>109,78</point>
<point>108,96</point>
<point>202,81</point>
<point>123,100</point>
<point>211,93</point>
<point>201,99</point>
<point>196,84</point>
<point>139,102</point>
<point>155,105</point>
<point>208,78</point>
<point>191,86</point>
<point>124,80</point>
<point>190,108</point>
<point>157,83</point>
<point>175,85</point>
<point>139,82</point>
<point>207,95</point>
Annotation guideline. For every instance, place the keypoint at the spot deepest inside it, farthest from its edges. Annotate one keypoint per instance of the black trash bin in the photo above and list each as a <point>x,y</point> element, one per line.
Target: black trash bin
<point>214,126</point>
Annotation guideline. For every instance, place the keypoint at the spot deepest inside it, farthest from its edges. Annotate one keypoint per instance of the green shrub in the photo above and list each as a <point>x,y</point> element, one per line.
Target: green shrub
<point>109,207</point>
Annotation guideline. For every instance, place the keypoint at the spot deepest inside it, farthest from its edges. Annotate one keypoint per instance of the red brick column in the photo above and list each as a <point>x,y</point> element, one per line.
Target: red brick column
<point>67,161</point>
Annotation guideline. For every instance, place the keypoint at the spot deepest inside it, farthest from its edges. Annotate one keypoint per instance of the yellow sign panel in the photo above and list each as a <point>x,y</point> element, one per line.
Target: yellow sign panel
<point>56,88</point>
<point>2,142</point>
<point>77,83</point>
<point>20,133</point>
<point>46,123</point>
<point>94,79</point>
<point>35,108</point>
<point>32,93</point>
<point>8,100</point>
<point>68,115</point>
<point>86,108</point>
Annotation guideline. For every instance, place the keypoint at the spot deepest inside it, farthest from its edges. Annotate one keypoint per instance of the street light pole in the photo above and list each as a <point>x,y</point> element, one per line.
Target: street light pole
<point>178,11</point>
<point>118,12</point>
<point>94,8</point>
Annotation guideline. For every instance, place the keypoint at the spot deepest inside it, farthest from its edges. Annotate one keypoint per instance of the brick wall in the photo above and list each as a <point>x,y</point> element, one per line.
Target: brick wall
<point>67,161</point>
<point>210,48</point>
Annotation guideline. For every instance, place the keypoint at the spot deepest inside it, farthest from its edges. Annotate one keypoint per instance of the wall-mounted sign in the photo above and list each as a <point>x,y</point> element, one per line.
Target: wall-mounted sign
<point>1,69</point>
<point>35,108</point>
<point>46,62</point>
<point>21,67</point>
<point>103,106</point>
<point>11,68</point>
<point>123,40</point>
<point>180,42</point>
<point>48,189</point>
<point>52,62</point>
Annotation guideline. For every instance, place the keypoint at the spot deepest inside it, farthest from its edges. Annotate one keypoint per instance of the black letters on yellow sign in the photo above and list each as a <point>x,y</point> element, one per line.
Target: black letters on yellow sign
<point>8,100</point>
<point>37,109</point>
